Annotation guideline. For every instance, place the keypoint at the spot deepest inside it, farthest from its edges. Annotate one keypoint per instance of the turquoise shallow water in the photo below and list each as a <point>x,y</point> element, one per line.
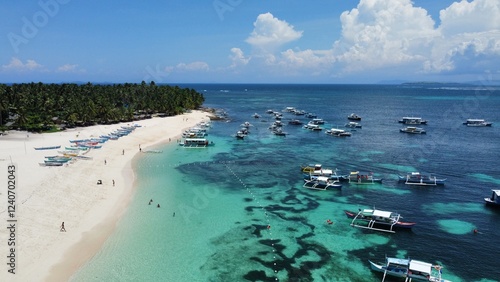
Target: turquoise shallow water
<point>241,213</point>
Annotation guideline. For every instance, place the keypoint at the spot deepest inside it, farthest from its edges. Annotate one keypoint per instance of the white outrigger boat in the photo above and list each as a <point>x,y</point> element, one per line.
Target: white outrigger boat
<point>412,120</point>
<point>196,143</point>
<point>477,122</point>
<point>321,183</point>
<point>378,220</point>
<point>409,269</point>
<point>494,200</point>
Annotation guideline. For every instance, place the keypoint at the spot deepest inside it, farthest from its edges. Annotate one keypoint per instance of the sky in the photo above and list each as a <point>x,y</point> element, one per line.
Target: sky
<point>249,41</point>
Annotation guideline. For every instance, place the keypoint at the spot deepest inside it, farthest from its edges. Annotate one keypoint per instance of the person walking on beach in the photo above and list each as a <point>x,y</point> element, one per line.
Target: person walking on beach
<point>113,182</point>
<point>123,152</point>
<point>105,162</point>
<point>62,227</point>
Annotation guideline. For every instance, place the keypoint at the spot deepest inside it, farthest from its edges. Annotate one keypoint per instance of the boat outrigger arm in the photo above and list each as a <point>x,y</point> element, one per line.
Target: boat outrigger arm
<point>371,224</point>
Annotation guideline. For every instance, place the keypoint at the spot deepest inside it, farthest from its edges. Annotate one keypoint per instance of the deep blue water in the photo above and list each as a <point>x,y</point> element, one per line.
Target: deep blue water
<point>254,183</point>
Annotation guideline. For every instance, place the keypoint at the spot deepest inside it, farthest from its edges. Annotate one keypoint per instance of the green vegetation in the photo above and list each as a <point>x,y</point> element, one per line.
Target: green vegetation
<point>41,107</point>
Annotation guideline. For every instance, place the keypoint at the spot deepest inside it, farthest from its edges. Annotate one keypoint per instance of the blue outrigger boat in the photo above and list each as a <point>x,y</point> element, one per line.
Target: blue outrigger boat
<point>48,148</point>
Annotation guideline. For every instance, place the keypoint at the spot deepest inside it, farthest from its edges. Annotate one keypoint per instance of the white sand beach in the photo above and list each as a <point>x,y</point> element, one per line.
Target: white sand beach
<point>47,196</point>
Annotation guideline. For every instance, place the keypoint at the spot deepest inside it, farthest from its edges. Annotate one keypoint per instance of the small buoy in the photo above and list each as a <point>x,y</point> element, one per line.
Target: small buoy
<point>269,227</point>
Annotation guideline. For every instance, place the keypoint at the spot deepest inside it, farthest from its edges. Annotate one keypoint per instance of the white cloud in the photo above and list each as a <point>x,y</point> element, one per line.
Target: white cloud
<point>307,59</point>
<point>69,68</point>
<point>384,33</point>
<point>391,37</point>
<point>17,65</point>
<point>270,32</point>
<point>468,17</point>
<point>472,52</point>
<point>238,58</point>
<point>183,67</point>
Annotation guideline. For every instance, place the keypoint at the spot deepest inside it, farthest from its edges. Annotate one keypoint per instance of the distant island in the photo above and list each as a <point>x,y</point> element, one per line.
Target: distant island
<point>39,107</point>
<point>459,84</point>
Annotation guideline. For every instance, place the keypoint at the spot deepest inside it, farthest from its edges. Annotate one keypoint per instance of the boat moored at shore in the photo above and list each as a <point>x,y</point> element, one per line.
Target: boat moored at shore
<point>196,143</point>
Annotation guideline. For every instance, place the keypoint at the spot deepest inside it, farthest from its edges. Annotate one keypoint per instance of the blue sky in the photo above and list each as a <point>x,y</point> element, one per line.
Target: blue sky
<point>250,41</point>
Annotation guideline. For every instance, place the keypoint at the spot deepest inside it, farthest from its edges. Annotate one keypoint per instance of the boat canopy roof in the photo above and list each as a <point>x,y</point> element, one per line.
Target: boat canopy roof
<point>361,173</point>
<point>475,120</point>
<point>497,192</point>
<point>416,265</point>
<point>412,118</point>
<point>382,213</point>
<point>322,178</point>
<point>397,261</point>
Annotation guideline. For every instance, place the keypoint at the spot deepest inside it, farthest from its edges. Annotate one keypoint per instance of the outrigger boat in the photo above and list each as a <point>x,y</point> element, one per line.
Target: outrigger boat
<point>353,116</point>
<point>47,148</point>
<point>417,178</point>
<point>412,120</point>
<point>393,266</point>
<point>321,183</point>
<point>312,171</point>
<point>409,269</point>
<point>494,200</point>
<point>412,130</point>
<point>477,122</point>
<point>196,143</point>
<point>374,219</point>
<point>358,177</point>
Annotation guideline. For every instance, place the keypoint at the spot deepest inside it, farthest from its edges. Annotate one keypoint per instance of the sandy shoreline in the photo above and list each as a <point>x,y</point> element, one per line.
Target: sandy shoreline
<point>47,196</point>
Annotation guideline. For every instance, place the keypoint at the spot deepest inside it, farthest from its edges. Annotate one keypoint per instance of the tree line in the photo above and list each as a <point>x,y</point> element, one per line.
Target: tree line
<point>41,107</point>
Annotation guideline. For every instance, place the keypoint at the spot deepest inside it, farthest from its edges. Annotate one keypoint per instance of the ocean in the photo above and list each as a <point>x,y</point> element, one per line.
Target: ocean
<point>238,211</point>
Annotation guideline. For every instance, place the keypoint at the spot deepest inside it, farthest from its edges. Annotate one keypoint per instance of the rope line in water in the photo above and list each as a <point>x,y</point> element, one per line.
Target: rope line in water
<point>263,208</point>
